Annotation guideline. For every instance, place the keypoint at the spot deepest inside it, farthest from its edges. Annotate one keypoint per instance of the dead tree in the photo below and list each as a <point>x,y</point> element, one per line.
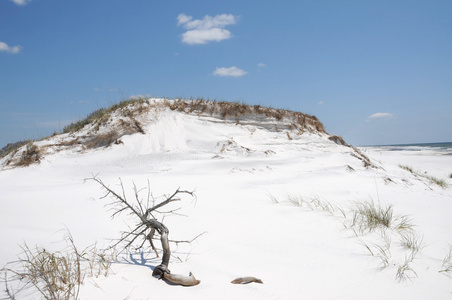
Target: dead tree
<point>147,226</point>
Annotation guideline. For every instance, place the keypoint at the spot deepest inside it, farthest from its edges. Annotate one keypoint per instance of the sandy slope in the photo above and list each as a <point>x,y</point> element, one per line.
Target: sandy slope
<point>243,176</point>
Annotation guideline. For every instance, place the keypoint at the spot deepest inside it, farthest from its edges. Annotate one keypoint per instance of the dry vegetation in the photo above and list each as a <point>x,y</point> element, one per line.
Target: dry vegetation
<point>30,154</point>
<point>239,111</point>
<point>225,110</point>
<point>56,275</point>
<point>367,163</point>
<point>375,226</point>
<point>439,182</point>
<point>12,147</point>
<point>106,126</point>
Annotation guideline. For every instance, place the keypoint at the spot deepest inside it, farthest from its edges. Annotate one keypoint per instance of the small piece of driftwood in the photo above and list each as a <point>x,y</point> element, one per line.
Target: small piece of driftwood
<point>245,280</point>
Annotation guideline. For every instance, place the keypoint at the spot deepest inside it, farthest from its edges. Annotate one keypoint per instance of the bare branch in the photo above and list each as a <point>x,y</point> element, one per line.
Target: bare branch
<point>168,200</point>
<point>147,222</point>
<point>190,241</point>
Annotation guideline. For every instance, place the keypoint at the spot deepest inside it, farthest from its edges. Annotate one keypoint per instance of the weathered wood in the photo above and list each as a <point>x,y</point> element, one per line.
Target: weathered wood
<point>149,223</point>
<point>245,280</point>
<point>189,280</point>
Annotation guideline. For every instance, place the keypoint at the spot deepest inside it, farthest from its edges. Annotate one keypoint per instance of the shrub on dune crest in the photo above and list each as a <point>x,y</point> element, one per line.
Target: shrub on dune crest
<point>12,147</point>
<point>30,155</point>
<point>235,110</point>
<point>101,115</point>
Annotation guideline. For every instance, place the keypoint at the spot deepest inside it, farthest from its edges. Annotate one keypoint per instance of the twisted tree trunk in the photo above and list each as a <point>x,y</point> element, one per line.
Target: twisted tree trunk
<point>149,224</point>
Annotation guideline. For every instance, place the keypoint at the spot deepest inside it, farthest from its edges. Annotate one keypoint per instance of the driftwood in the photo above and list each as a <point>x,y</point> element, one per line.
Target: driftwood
<point>245,280</point>
<point>189,280</point>
<point>147,227</point>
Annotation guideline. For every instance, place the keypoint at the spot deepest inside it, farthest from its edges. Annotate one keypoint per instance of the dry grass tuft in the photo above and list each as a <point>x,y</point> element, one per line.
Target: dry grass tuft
<point>367,216</point>
<point>101,140</point>
<point>12,147</point>
<point>439,182</point>
<point>30,155</point>
<point>447,262</point>
<point>55,275</point>
<point>338,140</point>
<point>100,117</point>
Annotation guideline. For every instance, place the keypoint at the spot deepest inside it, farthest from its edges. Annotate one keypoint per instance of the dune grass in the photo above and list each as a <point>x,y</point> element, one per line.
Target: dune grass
<point>439,182</point>
<point>102,115</point>
<point>223,109</point>
<point>367,216</point>
<point>376,226</point>
<point>13,147</point>
<point>56,275</point>
<point>447,262</point>
<point>314,203</point>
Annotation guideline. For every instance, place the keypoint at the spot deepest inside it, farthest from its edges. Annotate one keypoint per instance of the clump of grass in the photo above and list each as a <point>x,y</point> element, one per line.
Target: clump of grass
<point>315,203</point>
<point>55,275</point>
<point>338,140</point>
<point>367,216</point>
<point>405,271</point>
<point>447,262</point>
<point>440,182</point>
<point>407,168</point>
<point>96,115</point>
<point>30,155</point>
<point>11,147</point>
<point>101,140</point>
<point>411,245</point>
<point>273,199</point>
<point>412,242</point>
<point>102,115</point>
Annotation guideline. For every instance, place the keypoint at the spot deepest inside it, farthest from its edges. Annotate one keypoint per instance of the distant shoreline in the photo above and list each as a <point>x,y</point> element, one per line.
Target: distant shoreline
<point>433,145</point>
<point>444,148</point>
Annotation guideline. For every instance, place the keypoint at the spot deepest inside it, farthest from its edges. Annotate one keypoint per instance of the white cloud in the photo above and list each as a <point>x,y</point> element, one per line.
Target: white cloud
<point>320,103</point>
<point>261,65</point>
<point>208,29</point>
<point>183,18</point>
<point>381,116</point>
<point>21,2</point>
<point>193,37</point>
<point>231,72</point>
<point>5,48</point>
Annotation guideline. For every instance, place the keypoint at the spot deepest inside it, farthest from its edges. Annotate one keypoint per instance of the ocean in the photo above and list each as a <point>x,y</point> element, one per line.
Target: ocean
<point>442,148</point>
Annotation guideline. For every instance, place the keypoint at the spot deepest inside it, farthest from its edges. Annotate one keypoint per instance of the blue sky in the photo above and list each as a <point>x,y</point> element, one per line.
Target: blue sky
<point>374,72</point>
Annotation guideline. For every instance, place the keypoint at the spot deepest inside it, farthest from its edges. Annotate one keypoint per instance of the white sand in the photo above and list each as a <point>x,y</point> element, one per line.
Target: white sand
<point>298,252</point>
